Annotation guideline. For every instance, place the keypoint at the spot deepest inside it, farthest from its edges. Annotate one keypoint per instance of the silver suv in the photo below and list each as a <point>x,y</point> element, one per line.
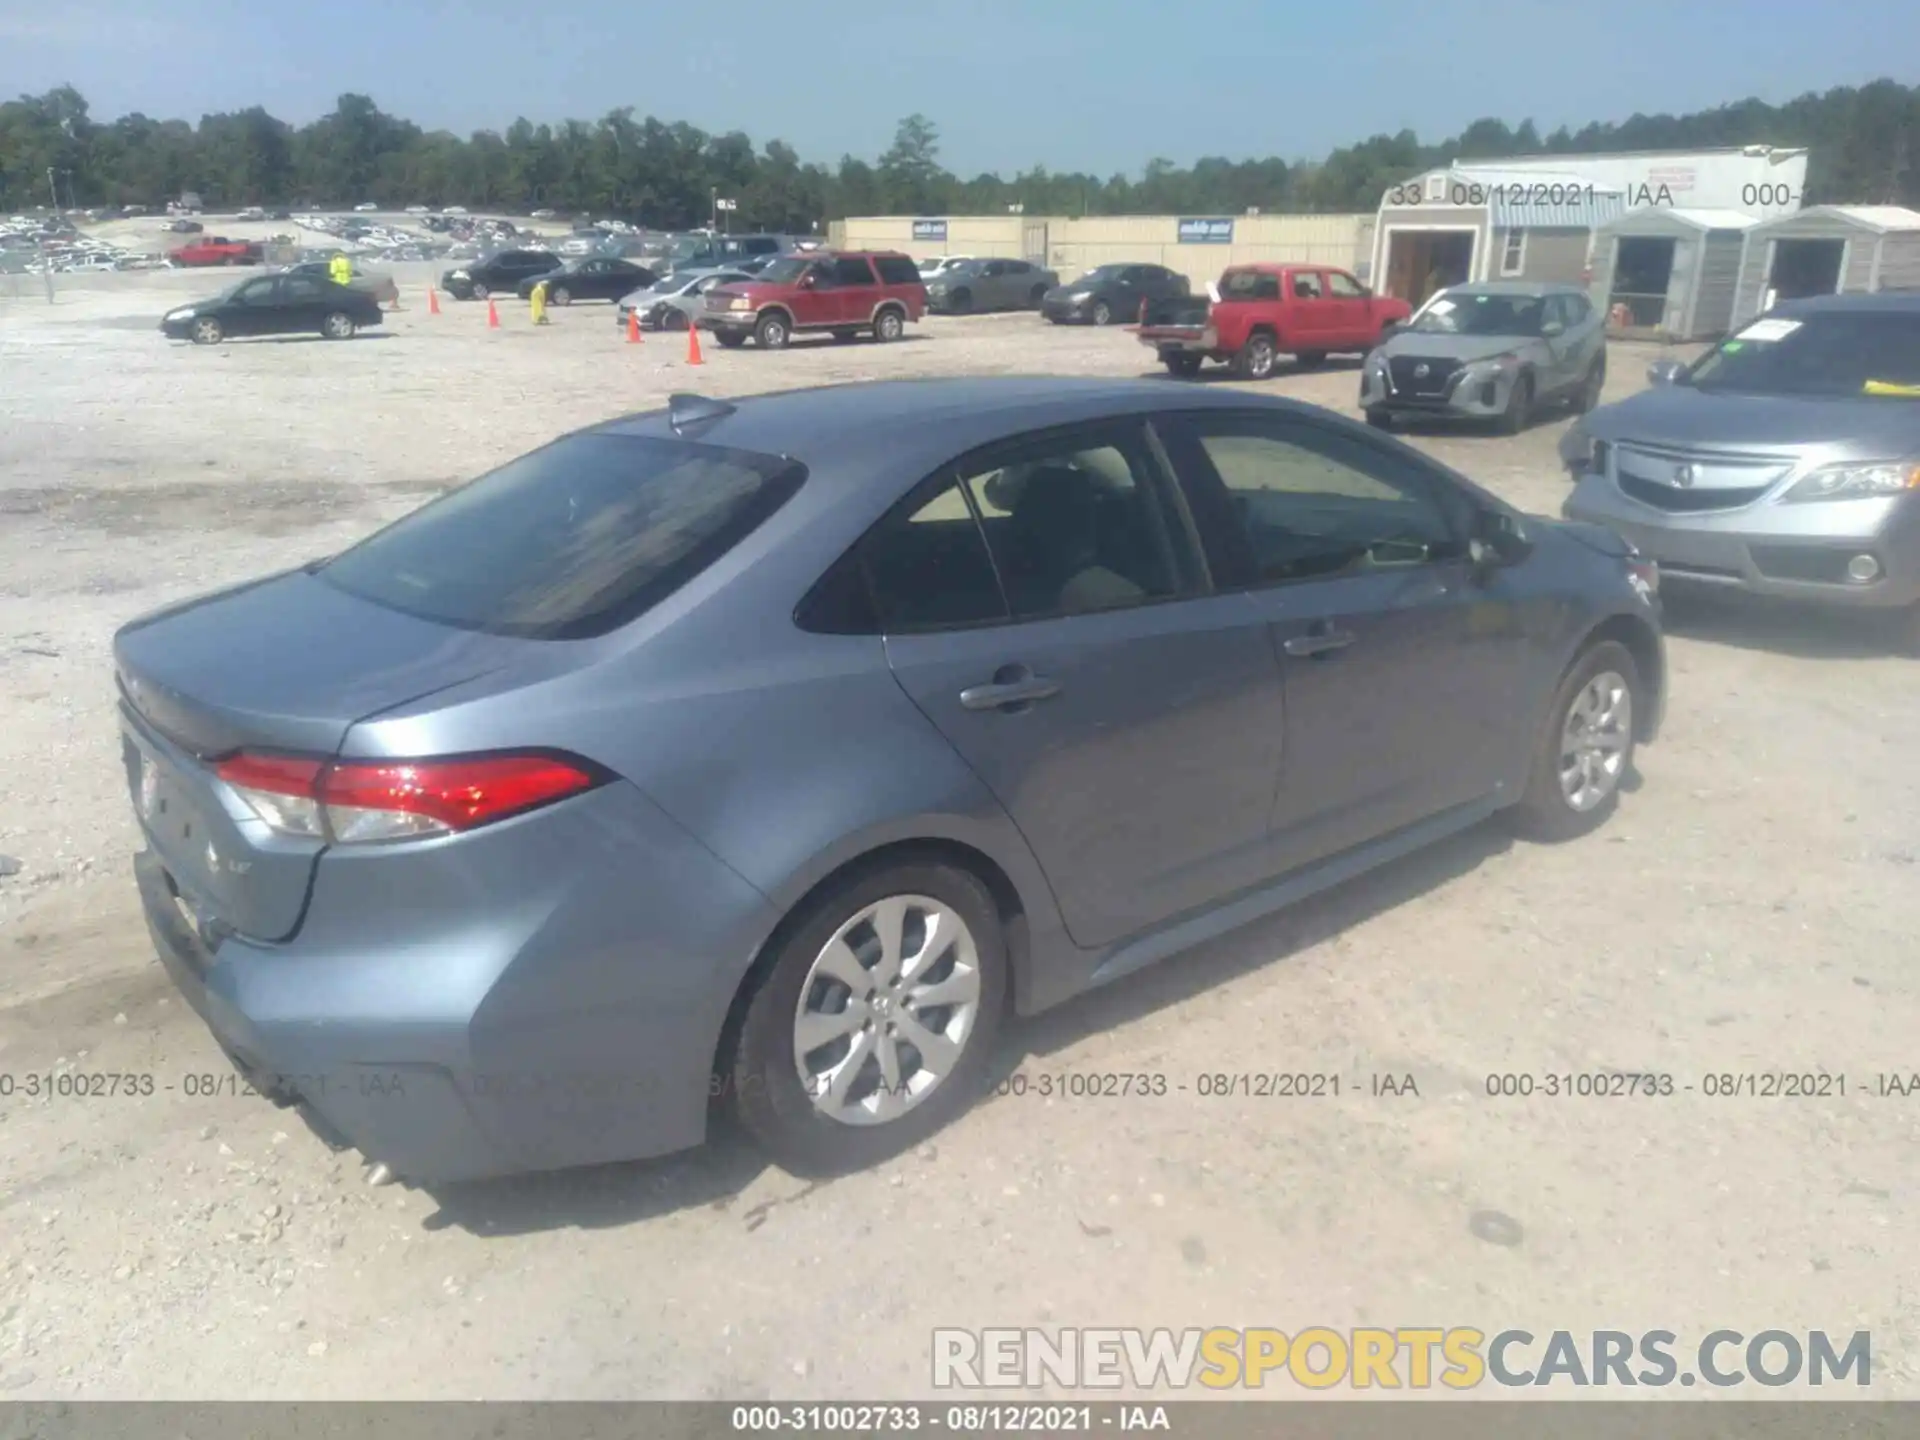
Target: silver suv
<point>1494,351</point>
<point>1785,461</point>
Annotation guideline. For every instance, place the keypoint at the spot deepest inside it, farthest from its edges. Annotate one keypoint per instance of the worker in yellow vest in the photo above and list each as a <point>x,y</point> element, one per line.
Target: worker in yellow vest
<point>340,270</point>
<point>540,303</point>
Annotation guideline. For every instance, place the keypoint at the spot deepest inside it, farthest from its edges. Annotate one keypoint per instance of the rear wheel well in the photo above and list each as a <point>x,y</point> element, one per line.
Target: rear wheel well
<point>1006,901</point>
<point>1644,646</point>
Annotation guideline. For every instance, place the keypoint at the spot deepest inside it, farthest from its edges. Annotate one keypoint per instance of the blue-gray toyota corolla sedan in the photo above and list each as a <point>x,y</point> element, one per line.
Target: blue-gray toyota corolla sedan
<point>763,756</point>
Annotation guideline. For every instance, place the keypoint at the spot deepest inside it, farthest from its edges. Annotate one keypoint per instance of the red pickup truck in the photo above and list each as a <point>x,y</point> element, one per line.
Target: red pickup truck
<point>217,250</point>
<point>1266,311</point>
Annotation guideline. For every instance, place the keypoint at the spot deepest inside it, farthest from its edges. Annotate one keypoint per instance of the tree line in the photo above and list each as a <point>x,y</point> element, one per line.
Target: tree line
<point>1865,145</point>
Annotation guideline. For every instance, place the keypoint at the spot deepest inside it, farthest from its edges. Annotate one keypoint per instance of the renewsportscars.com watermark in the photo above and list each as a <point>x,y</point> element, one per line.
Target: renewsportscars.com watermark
<point>1459,1358</point>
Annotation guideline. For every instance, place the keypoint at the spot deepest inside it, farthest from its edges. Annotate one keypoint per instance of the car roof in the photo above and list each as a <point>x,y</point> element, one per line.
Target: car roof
<point>1527,289</point>
<point>927,422</point>
<point>1892,302</point>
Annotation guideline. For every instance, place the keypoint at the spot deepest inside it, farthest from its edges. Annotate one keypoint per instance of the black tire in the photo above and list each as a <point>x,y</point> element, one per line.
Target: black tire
<point>773,332</point>
<point>732,339</point>
<point>480,292</point>
<point>1257,358</point>
<point>561,295</point>
<point>1379,419</point>
<point>960,302</point>
<point>206,330</point>
<point>1519,407</point>
<point>1587,397</point>
<point>1310,359</point>
<point>1183,365</point>
<point>889,324</point>
<point>680,320</point>
<point>1102,313</point>
<point>1545,812</point>
<point>761,1077</point>
<point>338,326</point>
<point>1037,296</point>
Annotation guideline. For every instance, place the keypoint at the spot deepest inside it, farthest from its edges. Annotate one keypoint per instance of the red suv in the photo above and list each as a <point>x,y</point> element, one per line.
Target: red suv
<point>842,292</point>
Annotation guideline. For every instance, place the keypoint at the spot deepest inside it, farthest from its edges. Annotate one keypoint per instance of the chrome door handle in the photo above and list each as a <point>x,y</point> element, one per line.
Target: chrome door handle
<point>1319,642</point>
<point>1012,692</point>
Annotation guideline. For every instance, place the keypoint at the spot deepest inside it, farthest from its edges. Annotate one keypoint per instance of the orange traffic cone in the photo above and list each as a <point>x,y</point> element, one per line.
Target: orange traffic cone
<point>493,315</point>
<point>633,328</point>
<point>693,346</point>
<point>433,301</point>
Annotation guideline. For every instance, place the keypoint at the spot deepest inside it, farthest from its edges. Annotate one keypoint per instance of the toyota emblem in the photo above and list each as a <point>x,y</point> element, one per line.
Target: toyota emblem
<point>1419,370</point>
<point>1683,476</point>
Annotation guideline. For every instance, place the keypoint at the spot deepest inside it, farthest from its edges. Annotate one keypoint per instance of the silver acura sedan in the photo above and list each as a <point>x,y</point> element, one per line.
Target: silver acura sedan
<point>1785,461</point>
<point>772,752</point>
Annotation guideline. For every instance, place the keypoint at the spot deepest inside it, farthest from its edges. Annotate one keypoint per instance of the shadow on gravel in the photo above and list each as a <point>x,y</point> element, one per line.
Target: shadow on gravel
<point>1779,627</point>
<point>715,1175</point>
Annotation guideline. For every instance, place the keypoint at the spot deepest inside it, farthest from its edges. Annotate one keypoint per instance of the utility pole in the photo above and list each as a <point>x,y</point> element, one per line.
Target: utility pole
<point>53,190</point>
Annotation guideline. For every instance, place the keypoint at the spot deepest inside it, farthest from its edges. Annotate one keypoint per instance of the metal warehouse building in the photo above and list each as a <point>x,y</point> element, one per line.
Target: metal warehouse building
<point>1669,274</point>
<point>1829,250</point>
<point>1534,217</point>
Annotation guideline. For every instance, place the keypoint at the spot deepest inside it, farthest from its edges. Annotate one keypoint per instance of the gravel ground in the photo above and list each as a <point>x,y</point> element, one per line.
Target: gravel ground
<point>1752,908</point>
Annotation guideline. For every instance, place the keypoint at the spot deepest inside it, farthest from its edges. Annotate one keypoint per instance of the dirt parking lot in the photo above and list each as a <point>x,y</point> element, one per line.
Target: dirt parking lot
<point>1754,907</point>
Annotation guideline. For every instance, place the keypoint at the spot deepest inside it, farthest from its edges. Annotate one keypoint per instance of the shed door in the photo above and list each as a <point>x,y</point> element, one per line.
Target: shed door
<point>1686,265</point>
<point>1033,242</point>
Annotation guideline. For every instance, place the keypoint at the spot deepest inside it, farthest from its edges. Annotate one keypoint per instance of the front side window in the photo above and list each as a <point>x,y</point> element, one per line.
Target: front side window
<point>1311,503</point>
<point>258,292</point>
<point>1344,287</point>
<point>572,540</point>
<point>1306,286</point>
<point>303,287</point>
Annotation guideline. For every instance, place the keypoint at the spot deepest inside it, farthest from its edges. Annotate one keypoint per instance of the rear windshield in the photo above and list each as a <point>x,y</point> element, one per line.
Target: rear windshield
<point>570,541</point>
<point>1249,285</point>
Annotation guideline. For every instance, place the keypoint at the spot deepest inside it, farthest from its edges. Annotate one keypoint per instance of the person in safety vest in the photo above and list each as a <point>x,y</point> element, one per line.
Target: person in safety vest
<point>340,270</point>
<point>540,303</point>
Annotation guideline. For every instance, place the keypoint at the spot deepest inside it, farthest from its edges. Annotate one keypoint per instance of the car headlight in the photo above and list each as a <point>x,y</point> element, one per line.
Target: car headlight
<point>1080,296</point>
<point>740,302</point>
<point>458,275</point>
<point>1875,479</point>
<point>1490,368</point>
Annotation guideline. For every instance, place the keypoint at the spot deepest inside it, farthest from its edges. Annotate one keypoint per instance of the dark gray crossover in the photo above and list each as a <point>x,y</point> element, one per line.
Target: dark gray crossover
<point>770,753</point>
<point>1785,461</point>
<point>1498,351</point>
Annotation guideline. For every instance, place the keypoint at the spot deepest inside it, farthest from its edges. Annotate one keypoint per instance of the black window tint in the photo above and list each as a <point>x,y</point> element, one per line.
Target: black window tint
<point>897,270</point>
<point>762,245</point>
<point>1312,502</point>
<point>841,603</point>
<point>302,287</point>
<point>258,292</point>
<point>572,540</point>
<point>852,270</point>
<point>995,267</point>
<point>1249,285</point>
<point>1018,267</point>
<point>1076,525</point>
<point>927,567</point>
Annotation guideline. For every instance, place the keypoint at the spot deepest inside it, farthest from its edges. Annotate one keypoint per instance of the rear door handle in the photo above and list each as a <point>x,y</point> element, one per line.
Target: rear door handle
<point>1002,694</point>
<point>1319,641</point>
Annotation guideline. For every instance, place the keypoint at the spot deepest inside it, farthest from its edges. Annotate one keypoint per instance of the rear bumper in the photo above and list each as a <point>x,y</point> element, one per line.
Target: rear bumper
<point>1770,549</point>
<point>471,1009</point>
<point>1178,339</point>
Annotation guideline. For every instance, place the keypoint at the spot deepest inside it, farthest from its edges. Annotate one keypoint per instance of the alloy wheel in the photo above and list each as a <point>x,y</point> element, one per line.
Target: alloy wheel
<point>887,1010</point>
<point>1594,741</point>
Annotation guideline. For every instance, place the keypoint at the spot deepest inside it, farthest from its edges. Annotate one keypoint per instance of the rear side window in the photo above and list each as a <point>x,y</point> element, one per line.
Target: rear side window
<point>573,540</point>
<point>928,569</point>
<point>1249,285</point>
<point>852,270</point>
<point>897,270</point>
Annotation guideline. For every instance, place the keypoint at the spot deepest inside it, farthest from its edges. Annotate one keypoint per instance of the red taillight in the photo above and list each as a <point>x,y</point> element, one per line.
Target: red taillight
<point>355,801</point>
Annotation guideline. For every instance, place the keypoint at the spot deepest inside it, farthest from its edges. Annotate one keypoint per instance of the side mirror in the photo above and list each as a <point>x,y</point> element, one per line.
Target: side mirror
<point>1552,329</point>
<point>1665,372</point>
<point>809,281</point>
<point>1499,539</point>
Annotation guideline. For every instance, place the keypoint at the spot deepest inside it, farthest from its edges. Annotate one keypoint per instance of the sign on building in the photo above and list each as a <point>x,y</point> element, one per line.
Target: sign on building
<point>1206,232</point>
<point>930,230</point>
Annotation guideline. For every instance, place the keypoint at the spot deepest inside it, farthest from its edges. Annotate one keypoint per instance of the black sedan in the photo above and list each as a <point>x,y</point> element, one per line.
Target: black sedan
<point>595,277</point>
<point>274,305</point>
<point>1111,293</point>
<point>503,270</point>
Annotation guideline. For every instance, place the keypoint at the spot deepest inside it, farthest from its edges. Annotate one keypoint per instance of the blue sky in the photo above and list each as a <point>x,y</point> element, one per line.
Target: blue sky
<point>1101,85</point>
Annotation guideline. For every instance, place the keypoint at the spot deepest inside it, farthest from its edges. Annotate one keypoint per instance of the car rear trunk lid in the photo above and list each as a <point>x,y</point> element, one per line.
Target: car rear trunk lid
<point>287,664</point>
